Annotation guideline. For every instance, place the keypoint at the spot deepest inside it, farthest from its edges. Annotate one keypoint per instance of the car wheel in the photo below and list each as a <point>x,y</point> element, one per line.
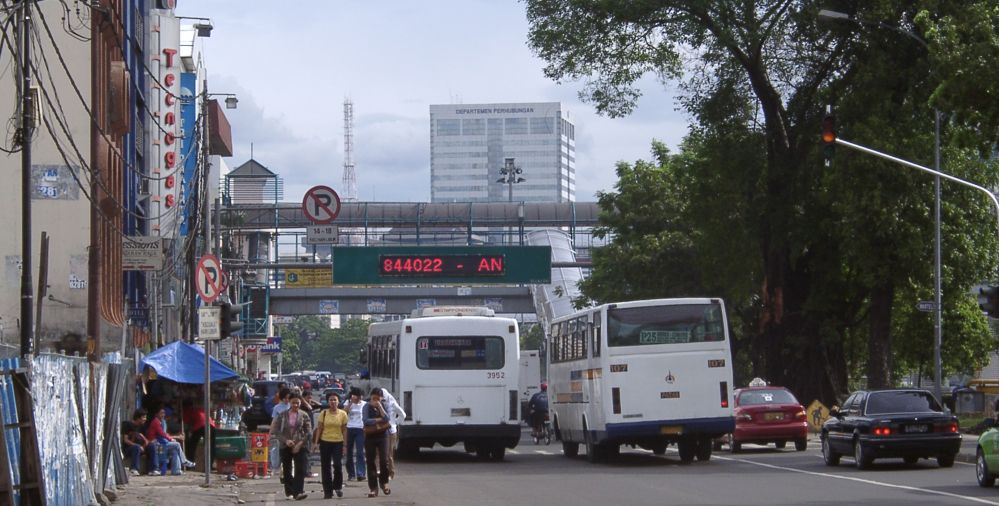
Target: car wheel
<point>780,444</point>
<point>497,452</point>
<point>910,461</point>
<point>985,478</point>
<point>830,457</point>
<point>945,461</point>
<point>861,456</point>
<point>801,444</point>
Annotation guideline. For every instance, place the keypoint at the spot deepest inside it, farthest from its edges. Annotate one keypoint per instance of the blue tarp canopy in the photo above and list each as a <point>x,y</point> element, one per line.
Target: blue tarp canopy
<point>185,363</point>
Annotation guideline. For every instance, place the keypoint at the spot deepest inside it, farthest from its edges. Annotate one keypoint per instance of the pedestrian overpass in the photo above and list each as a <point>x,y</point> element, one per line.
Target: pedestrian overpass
<point>294,275</point>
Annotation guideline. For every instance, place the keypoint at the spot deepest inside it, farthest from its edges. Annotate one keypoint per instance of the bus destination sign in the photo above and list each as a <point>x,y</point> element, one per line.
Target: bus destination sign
<point>441,266</point>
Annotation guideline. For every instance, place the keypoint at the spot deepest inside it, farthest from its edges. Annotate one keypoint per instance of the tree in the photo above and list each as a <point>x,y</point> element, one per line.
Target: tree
<point>759,72</point>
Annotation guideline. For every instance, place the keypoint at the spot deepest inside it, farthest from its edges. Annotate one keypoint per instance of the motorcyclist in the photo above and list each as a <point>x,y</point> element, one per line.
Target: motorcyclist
<point>538,409</point>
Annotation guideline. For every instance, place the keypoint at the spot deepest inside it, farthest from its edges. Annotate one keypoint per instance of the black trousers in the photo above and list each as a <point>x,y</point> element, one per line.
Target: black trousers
<point>377,445</point>
<point>294,483</point>
<point>331,453</point>
<point>191,445</point>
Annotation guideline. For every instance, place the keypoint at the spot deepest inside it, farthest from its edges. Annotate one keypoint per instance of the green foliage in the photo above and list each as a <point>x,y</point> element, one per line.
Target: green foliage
<point>820,266</point>
<point>310,344</point>
<point>531,337</point>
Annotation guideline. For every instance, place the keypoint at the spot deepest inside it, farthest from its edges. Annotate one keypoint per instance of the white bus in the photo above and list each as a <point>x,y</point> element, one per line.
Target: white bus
<point>455,371</point>
<point>643,373</point>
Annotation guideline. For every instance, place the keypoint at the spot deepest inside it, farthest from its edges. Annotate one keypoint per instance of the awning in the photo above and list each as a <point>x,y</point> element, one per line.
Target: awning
<point>185,363</point>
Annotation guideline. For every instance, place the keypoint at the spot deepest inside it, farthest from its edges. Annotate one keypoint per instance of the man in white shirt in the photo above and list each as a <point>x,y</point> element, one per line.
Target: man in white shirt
<point>395,414</point>
<point>354,406</point>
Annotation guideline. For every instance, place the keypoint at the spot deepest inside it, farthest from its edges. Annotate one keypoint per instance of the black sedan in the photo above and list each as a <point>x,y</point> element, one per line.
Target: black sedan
<point>900,423</point>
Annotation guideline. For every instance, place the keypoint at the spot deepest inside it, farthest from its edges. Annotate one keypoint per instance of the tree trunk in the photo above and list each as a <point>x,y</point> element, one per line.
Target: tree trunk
<point>879,342</point>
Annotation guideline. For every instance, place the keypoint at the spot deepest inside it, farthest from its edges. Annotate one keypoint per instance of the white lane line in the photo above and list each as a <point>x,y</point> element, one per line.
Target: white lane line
<point>863,480</point>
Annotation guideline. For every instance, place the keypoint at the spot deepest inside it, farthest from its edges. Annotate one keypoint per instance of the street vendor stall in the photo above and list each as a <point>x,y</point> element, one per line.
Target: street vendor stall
<point>182,365</point>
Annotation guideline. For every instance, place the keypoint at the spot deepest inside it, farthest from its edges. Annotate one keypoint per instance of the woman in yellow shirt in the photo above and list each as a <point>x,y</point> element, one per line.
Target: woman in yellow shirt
<point>331,432</point>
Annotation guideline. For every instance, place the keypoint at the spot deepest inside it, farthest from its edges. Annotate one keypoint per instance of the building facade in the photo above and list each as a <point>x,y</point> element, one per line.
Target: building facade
<point>469,144</point>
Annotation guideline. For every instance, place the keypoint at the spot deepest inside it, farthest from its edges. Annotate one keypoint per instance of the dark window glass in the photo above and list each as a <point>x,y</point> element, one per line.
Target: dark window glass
<point>770,396</point>
<point>460,352</point>
<point>879,403</point>
<point>652,325</point>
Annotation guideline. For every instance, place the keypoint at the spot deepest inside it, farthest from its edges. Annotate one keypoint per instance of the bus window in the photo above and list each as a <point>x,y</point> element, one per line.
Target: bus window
<point>460,352</point>
<point>677,324</point>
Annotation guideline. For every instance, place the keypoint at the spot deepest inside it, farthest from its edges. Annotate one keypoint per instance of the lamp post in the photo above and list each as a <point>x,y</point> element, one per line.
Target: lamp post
<point>510,175</point>
<point>937,292</point>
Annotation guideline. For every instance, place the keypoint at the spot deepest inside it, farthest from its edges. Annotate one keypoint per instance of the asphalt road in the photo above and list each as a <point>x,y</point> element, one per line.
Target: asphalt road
<point>533,474</point>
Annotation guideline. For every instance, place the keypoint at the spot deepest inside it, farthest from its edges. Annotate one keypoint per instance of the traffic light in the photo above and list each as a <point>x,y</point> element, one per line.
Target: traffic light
<point>828,137</point>
<point>229,323</point>
<point>988,300</point>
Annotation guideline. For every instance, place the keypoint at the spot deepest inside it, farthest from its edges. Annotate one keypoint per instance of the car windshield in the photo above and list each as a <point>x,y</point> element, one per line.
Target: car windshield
<point>879,403</point>
<point>770,396</point>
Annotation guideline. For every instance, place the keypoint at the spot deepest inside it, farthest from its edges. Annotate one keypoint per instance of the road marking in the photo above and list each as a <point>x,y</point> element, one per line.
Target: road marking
<point>863,480</point>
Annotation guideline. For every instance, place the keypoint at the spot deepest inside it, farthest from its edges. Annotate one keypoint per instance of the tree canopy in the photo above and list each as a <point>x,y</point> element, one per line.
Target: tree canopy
<point>820,266</point>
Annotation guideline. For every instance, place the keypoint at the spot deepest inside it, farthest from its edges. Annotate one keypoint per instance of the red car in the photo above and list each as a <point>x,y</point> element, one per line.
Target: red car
<point>767,414</point>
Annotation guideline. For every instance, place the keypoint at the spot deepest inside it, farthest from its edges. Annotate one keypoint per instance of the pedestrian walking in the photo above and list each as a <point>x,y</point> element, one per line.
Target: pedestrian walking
<point>395,414</point>
<point>330,436</point>
<point>293,430</point>
<point>355,435</point>
<point>376,442</point>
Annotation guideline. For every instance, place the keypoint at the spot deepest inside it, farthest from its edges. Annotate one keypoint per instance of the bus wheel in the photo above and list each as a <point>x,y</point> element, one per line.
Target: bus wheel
<point>704,449</point>
<point>497,452</point>
<point>658,448</point>
<point>482,452</point>
<point>570,449</point>
<point>592,449</point>
<point>687,449</point>
<point>469,447</point>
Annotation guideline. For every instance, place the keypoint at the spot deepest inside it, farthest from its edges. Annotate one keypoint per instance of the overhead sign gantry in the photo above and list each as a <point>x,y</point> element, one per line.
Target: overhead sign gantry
<point>407,265</point>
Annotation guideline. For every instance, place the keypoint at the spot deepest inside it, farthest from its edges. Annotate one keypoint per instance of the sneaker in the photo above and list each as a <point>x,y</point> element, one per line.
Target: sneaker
<point>350,478</point>
<point>189,464</point>
<point>154,473</point>
<point>300,496</point>
<point>339,493</point>
<point>134,472</point>
<point>361,478</point>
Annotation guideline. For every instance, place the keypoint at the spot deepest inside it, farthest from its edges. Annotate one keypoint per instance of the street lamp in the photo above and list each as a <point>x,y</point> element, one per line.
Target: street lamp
<point>937,304</point>
<point>510,175</point>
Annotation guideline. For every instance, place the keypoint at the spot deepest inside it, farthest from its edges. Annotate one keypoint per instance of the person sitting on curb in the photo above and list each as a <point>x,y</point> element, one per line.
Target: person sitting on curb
<point>157,434</point>
<point>133,442</point>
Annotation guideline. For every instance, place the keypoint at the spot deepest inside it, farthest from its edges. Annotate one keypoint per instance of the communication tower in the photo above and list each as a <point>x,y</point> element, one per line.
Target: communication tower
<point>349,176</point>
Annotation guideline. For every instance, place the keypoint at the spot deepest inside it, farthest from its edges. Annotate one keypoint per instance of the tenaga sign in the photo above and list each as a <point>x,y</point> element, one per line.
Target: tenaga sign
<point>162,124</point>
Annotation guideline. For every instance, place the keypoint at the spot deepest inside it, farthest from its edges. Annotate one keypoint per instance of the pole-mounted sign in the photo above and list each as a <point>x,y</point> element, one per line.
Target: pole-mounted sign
<point>209,280</point>
<point>321,205</point>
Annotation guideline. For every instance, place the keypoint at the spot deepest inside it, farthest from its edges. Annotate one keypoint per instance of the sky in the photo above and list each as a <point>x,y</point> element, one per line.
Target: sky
<point>293,63</point>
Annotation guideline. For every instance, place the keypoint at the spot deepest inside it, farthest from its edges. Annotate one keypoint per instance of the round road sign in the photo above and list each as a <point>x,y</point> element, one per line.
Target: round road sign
<point>209,279</point>
<point>321,205</point>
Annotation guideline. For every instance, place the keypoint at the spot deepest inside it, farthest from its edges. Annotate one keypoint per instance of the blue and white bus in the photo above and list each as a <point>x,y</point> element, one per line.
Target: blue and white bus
<point>646,373</point>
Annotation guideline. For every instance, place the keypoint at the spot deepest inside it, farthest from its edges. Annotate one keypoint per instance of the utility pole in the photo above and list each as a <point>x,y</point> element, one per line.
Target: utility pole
<point>27,131</point>
<point>43,281</point>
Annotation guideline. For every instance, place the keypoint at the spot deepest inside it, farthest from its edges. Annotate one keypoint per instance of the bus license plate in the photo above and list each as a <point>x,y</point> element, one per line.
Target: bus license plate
<point>920,428</point>
<point>671,429</point>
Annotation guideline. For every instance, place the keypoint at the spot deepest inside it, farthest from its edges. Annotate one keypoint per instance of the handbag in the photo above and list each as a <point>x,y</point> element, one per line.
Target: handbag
<point>377,429</point>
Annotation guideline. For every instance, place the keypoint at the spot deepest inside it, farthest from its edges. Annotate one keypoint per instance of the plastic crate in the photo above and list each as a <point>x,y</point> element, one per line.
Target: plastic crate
<point>230,447</point>
<point>248,470</point>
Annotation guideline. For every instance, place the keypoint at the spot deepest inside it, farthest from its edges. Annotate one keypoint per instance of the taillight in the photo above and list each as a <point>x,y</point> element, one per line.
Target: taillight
<point>724,393</point>
<point>882,431</point>
<point>616,400</point>
<point>744,417</point>
<point>800,415</point>
<point>514,404</point>
<point>947,427</point>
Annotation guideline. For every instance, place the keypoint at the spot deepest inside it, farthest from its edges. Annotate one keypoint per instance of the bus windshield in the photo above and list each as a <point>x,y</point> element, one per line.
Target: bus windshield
<point>460,352</point>
<point>665,324</point>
